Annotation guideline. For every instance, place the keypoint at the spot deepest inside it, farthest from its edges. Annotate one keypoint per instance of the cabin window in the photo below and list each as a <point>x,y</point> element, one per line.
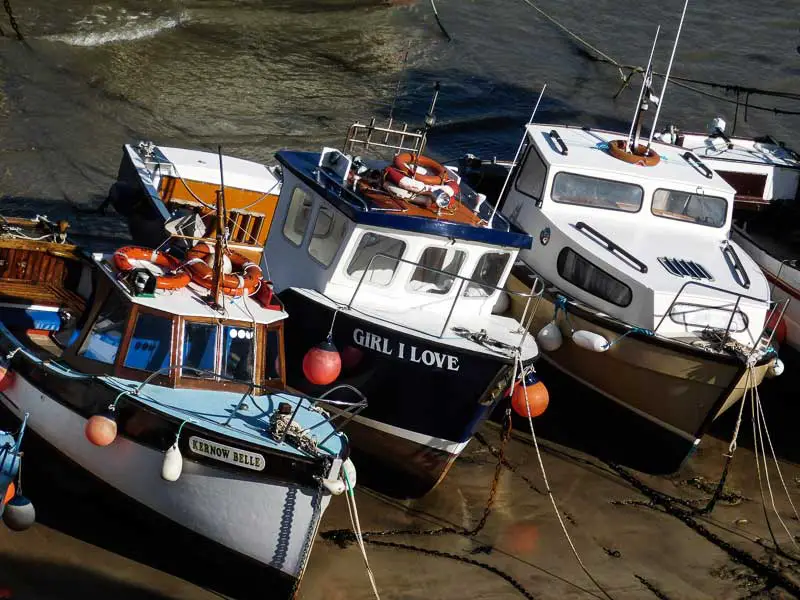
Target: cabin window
<point>426,279</point>
<point>692,208</point>
<point>380,270</point>
<point>487,274</point>
<point>237,353</point>
<point>533,175</point>
<point>102,342</point>
<point>569,188</point>
<point>294,228</point>
<point>150,343</point>
<point>329,230</point>
<point>199,347</point>
<point>273,366</point>
<point>583,274</point>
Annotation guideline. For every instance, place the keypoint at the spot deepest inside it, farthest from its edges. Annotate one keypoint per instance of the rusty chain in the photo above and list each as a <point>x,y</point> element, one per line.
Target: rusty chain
<point>12,20</point>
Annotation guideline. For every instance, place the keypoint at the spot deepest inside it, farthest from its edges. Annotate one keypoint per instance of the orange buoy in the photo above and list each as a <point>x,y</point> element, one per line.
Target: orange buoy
<point>351,357</point>
<point>322,364</point>
<point>11,491</point>
<point>6,374</point>
<point>530,398</point>
<point>779,327</point>
<point>101,430</point>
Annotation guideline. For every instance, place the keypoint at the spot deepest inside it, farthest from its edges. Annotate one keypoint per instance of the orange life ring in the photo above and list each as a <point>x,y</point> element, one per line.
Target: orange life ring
<point>640,156</point>
<point>233,284</point>
<point>404,162</point>
<point>171,280</point>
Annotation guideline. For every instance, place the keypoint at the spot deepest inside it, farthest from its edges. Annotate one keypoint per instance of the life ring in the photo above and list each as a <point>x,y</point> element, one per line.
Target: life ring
<point>394,178</point>
<point>641,155</point>
<point>404,162</point>
<point>172,279</point>
<point>234,284</point>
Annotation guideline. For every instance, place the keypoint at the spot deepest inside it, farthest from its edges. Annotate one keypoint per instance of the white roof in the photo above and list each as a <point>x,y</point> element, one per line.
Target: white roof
<point>587,151</point>
<point>189,301</point>
<point>744,150</point>
<point>238,173</point>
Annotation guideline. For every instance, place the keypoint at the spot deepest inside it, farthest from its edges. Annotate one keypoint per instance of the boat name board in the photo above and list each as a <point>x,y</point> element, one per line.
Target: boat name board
<point>384,345</point>
<point>227,454</point>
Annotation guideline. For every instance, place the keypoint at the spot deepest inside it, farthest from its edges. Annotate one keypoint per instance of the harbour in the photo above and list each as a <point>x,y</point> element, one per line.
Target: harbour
<point>307,353</point>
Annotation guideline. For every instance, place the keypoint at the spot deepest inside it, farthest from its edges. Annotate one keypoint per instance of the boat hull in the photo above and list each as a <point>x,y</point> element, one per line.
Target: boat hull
<point>420,417</point>
<point>678,389</point>
<point>270,525</point>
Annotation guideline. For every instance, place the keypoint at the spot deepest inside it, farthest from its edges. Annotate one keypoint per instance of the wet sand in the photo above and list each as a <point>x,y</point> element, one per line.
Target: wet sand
<point>619,537</point>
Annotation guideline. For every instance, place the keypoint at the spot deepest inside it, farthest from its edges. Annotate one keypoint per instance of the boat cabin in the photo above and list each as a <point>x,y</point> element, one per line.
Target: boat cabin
<point>645,241</point>
<point>356,244</point>
<point>174,335</point>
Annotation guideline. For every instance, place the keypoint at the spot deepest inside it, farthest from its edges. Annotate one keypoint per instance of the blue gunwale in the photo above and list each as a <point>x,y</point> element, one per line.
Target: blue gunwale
<point>304,166</point>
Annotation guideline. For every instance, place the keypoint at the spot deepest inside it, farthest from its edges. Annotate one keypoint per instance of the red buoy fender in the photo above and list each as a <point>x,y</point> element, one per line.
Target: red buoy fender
<point>234,284</point>
<point>172,280</point>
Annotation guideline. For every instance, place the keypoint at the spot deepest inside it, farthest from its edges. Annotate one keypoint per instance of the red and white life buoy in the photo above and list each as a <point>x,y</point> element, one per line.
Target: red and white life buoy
<point>421,168</point>
<point>242,282</point>
<point>171,280</point>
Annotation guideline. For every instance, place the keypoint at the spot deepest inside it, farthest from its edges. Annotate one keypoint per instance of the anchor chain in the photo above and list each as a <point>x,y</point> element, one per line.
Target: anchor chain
<point>12,20</point>
<point>344,537</point>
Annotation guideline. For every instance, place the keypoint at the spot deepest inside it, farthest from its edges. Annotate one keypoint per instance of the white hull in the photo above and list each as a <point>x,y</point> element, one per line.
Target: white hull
<point>271,522</point>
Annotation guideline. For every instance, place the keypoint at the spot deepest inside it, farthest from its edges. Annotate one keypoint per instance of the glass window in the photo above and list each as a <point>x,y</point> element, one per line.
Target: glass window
<point>329,230</point>
<point>297,216</point>
<point>569,188</point>
<point>381,270</point>
<point>532,177</point>
<point>273,366</point>
<point>433,282</point>
<point>580,272</point>
<point>102,342</point>
<point>693,208</point>
<point>237,353</point>
<point>150,343</point>
<point>199,347</point>
<point>488,271</point>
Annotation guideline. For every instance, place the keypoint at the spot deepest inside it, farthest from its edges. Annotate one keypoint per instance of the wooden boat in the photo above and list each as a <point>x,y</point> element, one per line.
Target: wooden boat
<point>171,396</point>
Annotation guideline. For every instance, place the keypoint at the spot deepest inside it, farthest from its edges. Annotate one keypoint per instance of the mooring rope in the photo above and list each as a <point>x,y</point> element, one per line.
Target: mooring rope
<point>350,497</point>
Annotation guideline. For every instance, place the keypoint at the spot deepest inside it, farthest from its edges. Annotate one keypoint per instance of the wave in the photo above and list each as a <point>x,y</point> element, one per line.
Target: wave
<point>132,30</point>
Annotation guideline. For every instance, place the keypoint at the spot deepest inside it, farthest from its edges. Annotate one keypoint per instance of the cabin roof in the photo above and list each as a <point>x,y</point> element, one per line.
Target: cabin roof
<point>189,301</point>
<point>362,210</point>
<point>587,149</point>
<point>744,150</point>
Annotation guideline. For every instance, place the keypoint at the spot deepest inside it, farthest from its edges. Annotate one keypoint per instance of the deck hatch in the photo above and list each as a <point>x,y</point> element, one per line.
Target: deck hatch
<point>685,268</point>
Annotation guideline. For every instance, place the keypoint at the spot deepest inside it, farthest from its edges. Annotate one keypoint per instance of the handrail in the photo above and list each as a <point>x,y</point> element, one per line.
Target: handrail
<point>698,165</point>
<point>739,298</point>
<point>557,139</point>
<point>611,246</point>
<point>462,279</point>
<point>735,265</point>
<point>352,140</point>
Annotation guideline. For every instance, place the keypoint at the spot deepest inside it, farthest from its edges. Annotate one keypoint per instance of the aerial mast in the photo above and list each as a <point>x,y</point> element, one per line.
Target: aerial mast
<point>220,237</point>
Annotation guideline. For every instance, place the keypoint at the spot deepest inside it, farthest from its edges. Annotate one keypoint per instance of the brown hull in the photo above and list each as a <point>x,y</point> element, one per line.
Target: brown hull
<point>674,386</point>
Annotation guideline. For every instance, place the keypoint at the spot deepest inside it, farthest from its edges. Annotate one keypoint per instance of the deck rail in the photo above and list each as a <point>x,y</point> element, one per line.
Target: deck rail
<point>368,136</point>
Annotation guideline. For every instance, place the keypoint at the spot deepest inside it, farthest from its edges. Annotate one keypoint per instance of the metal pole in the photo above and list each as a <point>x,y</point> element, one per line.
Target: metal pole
<point>666,77</point>
<point>648,74</point>
<point>430,120</point>
<point>516,157</point>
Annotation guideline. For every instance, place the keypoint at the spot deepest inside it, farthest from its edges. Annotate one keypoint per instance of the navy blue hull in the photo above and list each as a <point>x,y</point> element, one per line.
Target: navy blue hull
<point>446,400</point>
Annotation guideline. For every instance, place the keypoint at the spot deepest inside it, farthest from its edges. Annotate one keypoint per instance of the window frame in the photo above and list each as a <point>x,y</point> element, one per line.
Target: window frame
<point>399,259</point>
<point>456,276</point>
<point>692,222</point>
<point>310,196</point>
<point>342,242</point>
<point>616,210</point>
<point>532,148</point>
<point>128,338</point>
<point>473,281</point>
<point>594,266</point>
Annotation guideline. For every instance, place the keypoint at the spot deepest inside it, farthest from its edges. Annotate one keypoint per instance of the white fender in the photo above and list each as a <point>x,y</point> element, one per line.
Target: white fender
<point>549,337</point>
<point>502,304</point>
<point>590,340</point>
<point>173,464</point>
<point>350,469</point>
<point>397,191</point>
<point>775,368</point>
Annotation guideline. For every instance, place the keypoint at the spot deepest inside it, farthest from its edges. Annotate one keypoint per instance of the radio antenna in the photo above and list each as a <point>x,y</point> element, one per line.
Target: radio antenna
<point>516,158</point>
<point>430,121</point>
<point>666,77</point>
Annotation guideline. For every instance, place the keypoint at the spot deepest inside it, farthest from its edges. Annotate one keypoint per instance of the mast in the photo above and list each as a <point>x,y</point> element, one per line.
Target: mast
<point>430,121</point>
<point>220,241</point>
<point>641,103</point>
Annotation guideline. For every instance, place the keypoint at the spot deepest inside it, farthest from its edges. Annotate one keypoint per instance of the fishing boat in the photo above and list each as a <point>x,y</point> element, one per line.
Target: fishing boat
<point>168,391</point>
<point>766,176</point>
<point>391,264</point>
<point>647,301</point>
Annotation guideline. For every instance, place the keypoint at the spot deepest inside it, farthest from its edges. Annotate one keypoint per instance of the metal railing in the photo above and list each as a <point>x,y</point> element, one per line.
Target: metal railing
<point>524,327</point>
<point>393,138</point>
<point>725,308</point>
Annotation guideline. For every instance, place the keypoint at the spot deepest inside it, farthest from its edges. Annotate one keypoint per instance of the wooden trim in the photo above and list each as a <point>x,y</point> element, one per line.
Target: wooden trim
<point>126,340</point>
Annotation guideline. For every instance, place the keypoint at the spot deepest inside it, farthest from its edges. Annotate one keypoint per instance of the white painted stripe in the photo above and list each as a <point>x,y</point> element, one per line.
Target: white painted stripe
<point>29,306</point>
<point>413,436</point>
